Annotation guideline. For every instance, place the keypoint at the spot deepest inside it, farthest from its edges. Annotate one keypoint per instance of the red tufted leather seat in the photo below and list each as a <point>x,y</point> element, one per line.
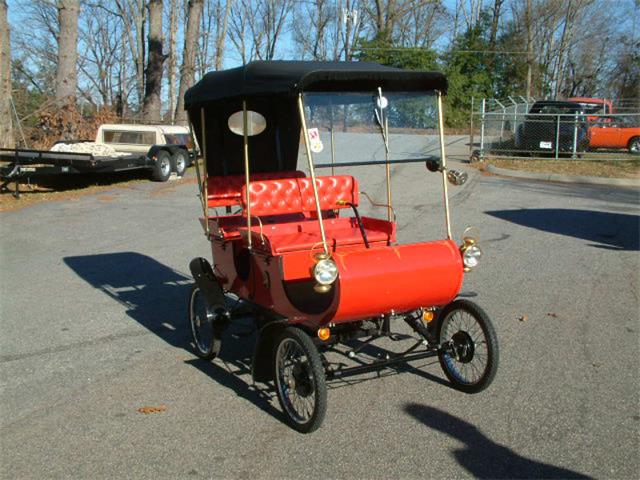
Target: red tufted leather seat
<point>295,195</point>
<point>225,191</point>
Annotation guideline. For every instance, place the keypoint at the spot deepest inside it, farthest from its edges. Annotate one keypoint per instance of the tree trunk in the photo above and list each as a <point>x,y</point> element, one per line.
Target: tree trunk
<point>222,35</point>
<point>173,28</point>
<point>187,69</point>
<point>6,125</point>
<point>66,75</point>
<point>152,106</point>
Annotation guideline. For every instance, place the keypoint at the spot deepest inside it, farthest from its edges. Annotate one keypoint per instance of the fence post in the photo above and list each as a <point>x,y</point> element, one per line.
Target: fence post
<point>471,129</point>
<point>482,120</point>
<point>575,135</point>
<point>557,135</point>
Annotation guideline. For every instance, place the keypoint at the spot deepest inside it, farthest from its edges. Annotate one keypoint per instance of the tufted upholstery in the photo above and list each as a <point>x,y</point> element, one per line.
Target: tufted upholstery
<point>294,195</point>
<point>226,191</point>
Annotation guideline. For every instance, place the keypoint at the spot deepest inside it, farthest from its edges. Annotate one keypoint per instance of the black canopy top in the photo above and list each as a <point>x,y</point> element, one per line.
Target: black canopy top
<point>285,78</point>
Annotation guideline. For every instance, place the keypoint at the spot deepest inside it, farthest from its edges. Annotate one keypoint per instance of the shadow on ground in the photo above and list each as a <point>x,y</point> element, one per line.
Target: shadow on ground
<point>482,457</point>
<point>156,297</point>
<point>614,231</point>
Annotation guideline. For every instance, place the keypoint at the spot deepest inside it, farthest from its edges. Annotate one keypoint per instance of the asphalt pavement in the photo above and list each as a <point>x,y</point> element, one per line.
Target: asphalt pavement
<point>93,296</point>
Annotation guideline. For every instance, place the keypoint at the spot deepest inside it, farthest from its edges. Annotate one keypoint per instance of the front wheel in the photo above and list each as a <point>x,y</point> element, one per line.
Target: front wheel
<point>634,146</point>
<point>300,380</point>
<point>468,350</point>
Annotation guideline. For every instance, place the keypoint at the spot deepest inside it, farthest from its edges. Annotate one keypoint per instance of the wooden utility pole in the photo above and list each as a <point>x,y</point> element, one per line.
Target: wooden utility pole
<point>66,74</point>
<point>7,139</point>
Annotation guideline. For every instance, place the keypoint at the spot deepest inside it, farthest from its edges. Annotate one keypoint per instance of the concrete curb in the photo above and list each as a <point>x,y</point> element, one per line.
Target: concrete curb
<point>555,177</point>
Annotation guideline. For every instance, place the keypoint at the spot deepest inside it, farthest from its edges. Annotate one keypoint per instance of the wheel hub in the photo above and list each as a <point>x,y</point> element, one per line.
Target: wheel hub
<point>300,380</point>
<point>462,346</point>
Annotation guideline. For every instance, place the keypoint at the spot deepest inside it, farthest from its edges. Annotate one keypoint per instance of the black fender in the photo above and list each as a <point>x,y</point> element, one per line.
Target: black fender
<point>262,361</point>
<point>207,282</point>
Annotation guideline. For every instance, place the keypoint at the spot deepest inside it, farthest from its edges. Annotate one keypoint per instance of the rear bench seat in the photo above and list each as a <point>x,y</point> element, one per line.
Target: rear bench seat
<point>225,191</point>
<point>290,196</point>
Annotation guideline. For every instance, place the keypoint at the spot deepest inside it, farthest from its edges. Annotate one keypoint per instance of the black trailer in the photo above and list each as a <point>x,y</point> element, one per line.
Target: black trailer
<point>19,165</point>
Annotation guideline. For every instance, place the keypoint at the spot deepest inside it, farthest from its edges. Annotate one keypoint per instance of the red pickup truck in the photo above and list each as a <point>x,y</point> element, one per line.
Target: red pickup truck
<point>616,132</point>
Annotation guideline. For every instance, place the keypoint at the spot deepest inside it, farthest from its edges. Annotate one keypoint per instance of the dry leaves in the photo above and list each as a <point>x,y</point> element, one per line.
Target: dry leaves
<point>148,410</point>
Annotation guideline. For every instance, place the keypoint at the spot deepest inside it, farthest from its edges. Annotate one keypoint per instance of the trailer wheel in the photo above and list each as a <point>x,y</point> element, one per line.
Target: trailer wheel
<point>300,380</point>
<point>162,168</point>
<point>179,162</point>
<point>468,350</point>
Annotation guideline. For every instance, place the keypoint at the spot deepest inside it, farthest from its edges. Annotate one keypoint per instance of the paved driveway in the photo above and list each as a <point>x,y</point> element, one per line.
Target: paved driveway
<point>93,299</point>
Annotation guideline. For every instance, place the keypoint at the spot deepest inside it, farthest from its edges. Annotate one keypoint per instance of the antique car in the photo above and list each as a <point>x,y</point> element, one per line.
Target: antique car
<point>553,127</point>
<point>617,132</point>
<point>297,249</point>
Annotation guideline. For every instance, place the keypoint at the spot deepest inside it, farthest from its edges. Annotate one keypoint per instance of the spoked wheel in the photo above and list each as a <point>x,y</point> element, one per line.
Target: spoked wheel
<point>468,346</point>
<point>300,380</point>
<point>205,331</point>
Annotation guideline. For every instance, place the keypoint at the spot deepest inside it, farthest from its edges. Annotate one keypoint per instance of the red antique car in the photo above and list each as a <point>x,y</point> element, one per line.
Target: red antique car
<point>294,246</point>
<point>616,132</point>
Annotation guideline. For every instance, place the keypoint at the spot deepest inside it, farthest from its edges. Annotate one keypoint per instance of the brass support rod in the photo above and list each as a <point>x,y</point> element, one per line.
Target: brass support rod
<point>205,200</point>
<point>312,172</point>
<point>387,168</point>
<point>196,162</point>
<point>245,138</point>
<point>444,165</point>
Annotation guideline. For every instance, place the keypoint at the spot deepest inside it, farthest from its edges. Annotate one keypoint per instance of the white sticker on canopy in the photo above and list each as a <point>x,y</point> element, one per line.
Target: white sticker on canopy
<point>315,144</point>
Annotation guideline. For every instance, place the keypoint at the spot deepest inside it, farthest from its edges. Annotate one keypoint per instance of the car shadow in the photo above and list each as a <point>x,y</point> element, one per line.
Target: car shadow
<point>482,457</point>
<point>156,296</point>
<point>613,231</point>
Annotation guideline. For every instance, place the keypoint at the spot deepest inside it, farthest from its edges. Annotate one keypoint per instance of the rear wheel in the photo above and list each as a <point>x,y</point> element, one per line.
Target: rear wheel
<point>468,350</point>
<point>300,380</point>
<point>634,146</point>
<point>205,331</point>
<point>162,168</point>
<point>179,162</point>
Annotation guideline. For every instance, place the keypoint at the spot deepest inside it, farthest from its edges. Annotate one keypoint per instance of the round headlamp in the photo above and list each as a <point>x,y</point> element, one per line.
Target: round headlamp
<point>471,256</point>
<point>325,272</point>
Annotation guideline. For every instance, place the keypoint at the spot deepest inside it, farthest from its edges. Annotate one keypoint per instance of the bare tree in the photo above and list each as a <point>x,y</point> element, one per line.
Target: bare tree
<point>152,104</point>
<point>133,16</point>
<point>212,39</point>
<point>66,74</point>
<point>171,63</point>
<point>6,125</point>
<point>187,70</point>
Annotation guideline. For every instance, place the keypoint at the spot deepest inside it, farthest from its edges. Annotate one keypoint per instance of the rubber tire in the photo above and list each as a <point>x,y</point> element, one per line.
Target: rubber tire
<point>635,140</point>
<point>175,164</point>
<point>317,369</point>
<point>492,345</point>
<point>216,344</point>
<point>161,174</point>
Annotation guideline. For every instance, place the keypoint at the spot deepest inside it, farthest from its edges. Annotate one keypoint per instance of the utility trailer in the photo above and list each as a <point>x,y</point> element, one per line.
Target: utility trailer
<point>158,148</point>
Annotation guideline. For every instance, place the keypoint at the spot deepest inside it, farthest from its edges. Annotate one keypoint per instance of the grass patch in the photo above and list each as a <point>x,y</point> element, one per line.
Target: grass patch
<point>589,168</point>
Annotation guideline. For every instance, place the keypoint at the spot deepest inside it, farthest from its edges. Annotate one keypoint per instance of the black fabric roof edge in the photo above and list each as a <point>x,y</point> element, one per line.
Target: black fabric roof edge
<point>287,78</point>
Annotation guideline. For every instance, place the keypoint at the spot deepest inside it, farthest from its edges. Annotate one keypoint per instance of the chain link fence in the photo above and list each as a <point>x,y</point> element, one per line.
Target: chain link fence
<point>589,129</point>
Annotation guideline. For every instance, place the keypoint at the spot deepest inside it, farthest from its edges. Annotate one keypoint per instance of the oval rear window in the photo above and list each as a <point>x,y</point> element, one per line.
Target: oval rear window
<point>256,123</point>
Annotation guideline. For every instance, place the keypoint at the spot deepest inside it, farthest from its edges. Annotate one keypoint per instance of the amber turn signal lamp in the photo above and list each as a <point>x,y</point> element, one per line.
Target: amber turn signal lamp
<point>324,333</point>
<point>427,316</point>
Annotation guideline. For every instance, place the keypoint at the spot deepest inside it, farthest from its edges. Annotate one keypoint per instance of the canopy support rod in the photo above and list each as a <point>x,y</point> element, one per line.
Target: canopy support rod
<point>205,199</point>
<point>245,141</point>
<point>312,173</point>
<point>444,165</point>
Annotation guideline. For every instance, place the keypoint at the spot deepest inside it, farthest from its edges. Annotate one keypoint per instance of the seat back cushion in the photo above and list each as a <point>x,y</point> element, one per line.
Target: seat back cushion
<point>295,195</point>
<point>226,191</point>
